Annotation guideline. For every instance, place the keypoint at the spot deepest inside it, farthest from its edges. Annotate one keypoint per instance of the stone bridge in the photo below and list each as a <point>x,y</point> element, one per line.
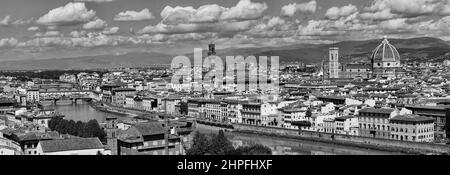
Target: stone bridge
<point>73,96</point>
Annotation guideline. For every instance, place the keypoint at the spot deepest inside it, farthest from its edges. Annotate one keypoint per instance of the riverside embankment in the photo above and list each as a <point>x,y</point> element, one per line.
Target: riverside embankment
<point>291,146</point>
<point>116,110</point>
<point>347,140</point>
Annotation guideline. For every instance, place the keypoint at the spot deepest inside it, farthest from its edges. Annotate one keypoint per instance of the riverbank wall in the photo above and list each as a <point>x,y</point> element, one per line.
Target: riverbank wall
<point>112,110</point>
<point>347,140</point>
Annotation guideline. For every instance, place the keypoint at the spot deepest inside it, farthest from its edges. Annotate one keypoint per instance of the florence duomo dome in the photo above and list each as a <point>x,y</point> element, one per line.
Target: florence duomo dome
<point>385,60</point>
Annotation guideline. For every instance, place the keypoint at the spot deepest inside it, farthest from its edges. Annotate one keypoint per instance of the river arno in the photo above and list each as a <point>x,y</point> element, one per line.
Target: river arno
<point>279,146</point>
<point>284,146</point>
<point>84,112</point>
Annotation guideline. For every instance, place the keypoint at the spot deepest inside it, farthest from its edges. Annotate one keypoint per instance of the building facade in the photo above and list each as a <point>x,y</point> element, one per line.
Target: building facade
<point>149,138</point>
<point>374,122</point>
<point>33,95</point>
<point>412,128</point>
<point>119,95</point>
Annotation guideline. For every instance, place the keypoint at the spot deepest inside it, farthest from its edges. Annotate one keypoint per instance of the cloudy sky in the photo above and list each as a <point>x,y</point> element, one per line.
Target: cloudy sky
<point>40,29</point>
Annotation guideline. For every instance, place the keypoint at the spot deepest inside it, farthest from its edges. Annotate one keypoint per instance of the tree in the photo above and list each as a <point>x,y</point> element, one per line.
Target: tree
<point>64,127</point>
<point>54,122</point>
<point>308,113</point>
<point>220,145</point>
<point>72,128</point>
<point>200,145</point>
<point>256,149</point>
<point>80,128</point>
<point>99,153</point>
<point>93,129</point>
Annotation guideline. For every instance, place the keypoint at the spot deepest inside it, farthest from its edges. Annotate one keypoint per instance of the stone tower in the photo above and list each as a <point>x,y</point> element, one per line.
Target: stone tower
<point>111,134</point>
<point>333,62</point>
<point>212,49</point>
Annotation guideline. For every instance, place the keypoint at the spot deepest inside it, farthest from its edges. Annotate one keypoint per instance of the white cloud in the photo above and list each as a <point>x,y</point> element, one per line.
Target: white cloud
<point>77,39</point>
<point>213,13</point>
<point>438,28</point>
<point>144,14</point>
<point>96,24</point>
<point>344,11</point>
<point>223,27</point>
<point>111,31</point>
<point>8,42</point>
<point>47,34</point>
<point>210,18</point>
<point>394,24</point>
<point>411,8</point>
<point>22,21</point>
<point>52,27</point>
<point>316,28</point>
<point>291,9</point>
<point>98,1</point>
<point>5,21</point>
<point>206,13</point>
<point>78,34</point>
<point>378,15</point>
<point>273,27</point>
<point>244,10</point>
<point>71,13</point>
<point>444,9</point>
<point>33,29</point>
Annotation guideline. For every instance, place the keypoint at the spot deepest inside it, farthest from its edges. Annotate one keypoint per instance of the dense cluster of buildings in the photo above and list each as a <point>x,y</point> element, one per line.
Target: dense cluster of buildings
<point>384,99</point>
<point>25,115</point>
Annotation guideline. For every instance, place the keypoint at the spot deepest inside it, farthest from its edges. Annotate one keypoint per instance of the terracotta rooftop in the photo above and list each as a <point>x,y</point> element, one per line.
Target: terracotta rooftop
<point>70,144</point>
<point>412,119</point>
<point>149,128</point>
<point>377,110</point>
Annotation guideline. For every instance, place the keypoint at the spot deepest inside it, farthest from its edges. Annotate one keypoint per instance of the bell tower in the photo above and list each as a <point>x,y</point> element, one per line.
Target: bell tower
<point>333,61</point>
<point>212,49</point>
<point>111,134</point>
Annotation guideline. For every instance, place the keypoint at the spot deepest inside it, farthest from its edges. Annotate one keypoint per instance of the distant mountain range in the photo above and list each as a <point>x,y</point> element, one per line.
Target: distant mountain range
<point>134,59</point>
<point>361,50</point>
<point>420,49</point>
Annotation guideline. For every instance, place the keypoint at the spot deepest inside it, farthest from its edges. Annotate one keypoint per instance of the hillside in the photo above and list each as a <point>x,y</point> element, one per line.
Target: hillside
<point>89,62</point>
<point>408,48</point>
<point>414,49</point>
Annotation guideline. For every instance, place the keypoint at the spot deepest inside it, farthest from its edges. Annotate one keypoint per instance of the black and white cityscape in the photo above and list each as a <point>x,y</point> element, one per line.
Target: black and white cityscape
<point>215,77</point>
